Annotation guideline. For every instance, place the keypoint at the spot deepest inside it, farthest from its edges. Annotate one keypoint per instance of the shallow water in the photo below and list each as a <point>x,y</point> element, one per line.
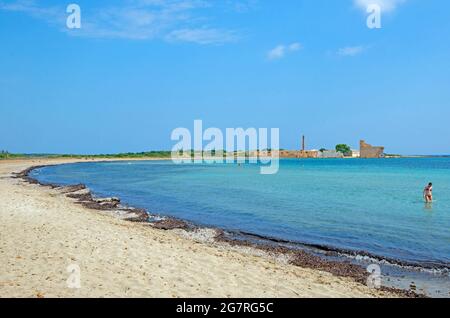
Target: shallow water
<point>360,205</point>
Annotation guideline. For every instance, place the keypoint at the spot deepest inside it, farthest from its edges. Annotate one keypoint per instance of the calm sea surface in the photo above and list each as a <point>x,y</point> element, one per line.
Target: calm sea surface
<point>361,205</point>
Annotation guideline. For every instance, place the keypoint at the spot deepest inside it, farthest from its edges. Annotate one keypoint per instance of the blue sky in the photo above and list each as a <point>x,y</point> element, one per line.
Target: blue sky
<point>137,69</point>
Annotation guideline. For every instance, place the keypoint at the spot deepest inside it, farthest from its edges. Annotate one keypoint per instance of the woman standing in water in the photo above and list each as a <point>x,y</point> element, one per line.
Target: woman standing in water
<point>428,193</point>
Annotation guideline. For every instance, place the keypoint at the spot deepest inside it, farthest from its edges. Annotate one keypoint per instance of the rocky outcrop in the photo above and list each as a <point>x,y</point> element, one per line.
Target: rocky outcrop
<point>170,224</point>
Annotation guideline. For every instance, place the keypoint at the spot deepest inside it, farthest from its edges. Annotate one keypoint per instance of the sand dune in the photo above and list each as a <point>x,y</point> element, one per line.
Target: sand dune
<point>42,233</point>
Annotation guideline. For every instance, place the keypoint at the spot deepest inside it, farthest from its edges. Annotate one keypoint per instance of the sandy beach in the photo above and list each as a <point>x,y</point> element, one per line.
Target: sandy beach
<point>42,233</point>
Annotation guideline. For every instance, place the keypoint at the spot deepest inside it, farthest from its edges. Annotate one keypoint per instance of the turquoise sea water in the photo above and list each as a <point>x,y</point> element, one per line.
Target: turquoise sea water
<point>361,205</point>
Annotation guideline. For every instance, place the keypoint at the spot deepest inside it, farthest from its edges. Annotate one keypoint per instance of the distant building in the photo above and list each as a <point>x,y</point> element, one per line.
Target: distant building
<point>298,154</point>
<point>289,154</point>
<point>308,154</point>
<point>303,153</point>
<point>369,151</point>
<point>366,151</point>
<point>354,153</point>
<point>330,154</point>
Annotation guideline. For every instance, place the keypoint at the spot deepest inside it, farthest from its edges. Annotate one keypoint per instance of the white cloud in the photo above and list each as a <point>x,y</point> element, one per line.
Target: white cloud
<point>276,53</point>
<point>171,20</point>
<point>295,47</point>
<point>50,14</point>
<point>202,36</point>
<point>241,6</point>
<point>385,5</point>
<point>351,51</point>
<point>280,51</point>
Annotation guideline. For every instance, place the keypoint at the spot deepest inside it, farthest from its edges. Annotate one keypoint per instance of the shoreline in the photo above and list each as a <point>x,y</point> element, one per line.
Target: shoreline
<point>89,200</point>
<point>80,195</point>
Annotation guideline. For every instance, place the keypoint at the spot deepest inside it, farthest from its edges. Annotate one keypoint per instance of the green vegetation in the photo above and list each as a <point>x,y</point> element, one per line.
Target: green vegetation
<point>128,155</point>
<point>150,154</point>
<point>131,155</point>
<point>6,155</point>
<point>343,148</point>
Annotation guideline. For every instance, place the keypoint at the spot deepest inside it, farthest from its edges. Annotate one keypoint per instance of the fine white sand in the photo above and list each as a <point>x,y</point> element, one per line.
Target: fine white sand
<point>42,232</point>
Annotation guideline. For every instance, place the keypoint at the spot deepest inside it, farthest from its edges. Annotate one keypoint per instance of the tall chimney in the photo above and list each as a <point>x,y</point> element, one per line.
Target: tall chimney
<point>303,143</point>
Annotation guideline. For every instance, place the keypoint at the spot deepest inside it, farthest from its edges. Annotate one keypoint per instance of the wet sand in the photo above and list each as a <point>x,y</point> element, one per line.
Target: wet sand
<point>44,233</point>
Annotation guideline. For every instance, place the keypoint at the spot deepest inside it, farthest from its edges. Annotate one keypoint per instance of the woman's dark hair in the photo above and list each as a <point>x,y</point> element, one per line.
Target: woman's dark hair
<point>430,184</point>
